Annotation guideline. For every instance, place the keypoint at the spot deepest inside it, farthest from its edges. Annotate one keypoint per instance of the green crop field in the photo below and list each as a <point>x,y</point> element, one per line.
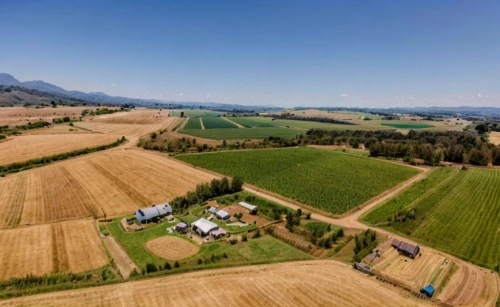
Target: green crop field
<point>196,113</point>
<point>455,211</point>
<point>244,134</point>
<point>407,125</point>
<point>302,124</point>
<point>193,123</point>
<point>332,181</point>
<point>217,123</point>
<point>254,122</point>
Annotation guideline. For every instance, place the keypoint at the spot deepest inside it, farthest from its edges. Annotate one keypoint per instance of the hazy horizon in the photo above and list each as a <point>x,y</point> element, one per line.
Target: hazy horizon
<point>284,53</point>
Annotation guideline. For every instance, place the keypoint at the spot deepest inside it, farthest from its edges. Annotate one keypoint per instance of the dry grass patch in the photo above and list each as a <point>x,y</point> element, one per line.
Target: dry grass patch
<point>306,283</point>
<point>172,248</point>
<point>117,182</point>
<point>21,115</point>
<point>26,147</point>
<point>62,247</point>
<point>495,137</point>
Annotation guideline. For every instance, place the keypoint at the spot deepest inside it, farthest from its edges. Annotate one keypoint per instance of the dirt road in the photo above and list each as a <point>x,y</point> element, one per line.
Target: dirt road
<point>123,262</point>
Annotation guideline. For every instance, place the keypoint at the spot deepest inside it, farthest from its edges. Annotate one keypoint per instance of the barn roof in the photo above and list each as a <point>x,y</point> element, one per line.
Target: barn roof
<point>181,225</point>
<point>205,226</point>
<point>164,209</point>
<point>148,213</point>
<point>409,248</point>
<point>248,206</point>
<point>212,210</point>
<point>219,232</point>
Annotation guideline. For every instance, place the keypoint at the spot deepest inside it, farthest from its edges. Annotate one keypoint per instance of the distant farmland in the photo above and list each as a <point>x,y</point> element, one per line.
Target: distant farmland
<point>452,210</point>
<point>217,123</point>
<point>193,123</point>
<point>332,181</point>
<point>242,133</point>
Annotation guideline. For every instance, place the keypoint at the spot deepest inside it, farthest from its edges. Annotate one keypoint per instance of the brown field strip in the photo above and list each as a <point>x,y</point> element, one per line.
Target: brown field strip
<point>69,246</point>
<point>141,117</point>
<point>328,283</point>
<point>26,147</point>
<point>118,182</point>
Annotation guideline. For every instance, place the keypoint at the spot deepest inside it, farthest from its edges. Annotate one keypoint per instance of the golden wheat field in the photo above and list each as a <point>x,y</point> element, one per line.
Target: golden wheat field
<point>133,123</point>
<point>20,115</point>
<point>26,147</point>
<point>117,182</point>
<point>60,247</point>
<point>495,137</point>
<point>307,283</point>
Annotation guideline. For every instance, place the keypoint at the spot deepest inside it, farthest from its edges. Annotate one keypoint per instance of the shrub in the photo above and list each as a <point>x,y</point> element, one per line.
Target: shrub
<point>168,266</point>
<point>233,241</point>
<point>200,261</point>
<point>256,235</point>
<point>134,273</point>
<point>151,268</point>
<point>177,265</point>
<point>244,238</point>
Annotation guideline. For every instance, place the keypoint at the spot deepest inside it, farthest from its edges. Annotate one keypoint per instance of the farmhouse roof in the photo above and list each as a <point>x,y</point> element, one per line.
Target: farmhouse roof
<point>222,214</point>
<point>248,206</point>
<point>205,226</point>
<point>212,210</point>
<point>395,243</point>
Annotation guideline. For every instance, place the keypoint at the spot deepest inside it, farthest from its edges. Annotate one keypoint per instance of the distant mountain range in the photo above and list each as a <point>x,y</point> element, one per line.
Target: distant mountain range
<point>99,97</point>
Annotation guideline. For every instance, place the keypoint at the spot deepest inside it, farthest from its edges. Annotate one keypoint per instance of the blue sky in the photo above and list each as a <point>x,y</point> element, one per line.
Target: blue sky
<point>287,53</point>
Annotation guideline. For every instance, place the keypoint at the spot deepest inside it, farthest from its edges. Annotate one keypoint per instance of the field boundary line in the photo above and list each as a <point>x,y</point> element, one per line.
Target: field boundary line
<point>201,123</point>
<point>234,123</point>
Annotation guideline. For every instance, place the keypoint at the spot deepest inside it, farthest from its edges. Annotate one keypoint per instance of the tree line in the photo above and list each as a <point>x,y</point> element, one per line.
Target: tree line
<point>205,191</point>
<point>430,146</point>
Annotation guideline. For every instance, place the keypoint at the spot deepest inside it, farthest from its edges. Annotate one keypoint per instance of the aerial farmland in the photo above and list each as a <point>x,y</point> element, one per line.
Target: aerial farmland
<point>79,213</point>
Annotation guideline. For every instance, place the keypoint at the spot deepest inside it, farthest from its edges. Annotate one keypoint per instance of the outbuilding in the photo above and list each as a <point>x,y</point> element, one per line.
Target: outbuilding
<point>251,208</point>
<point>222,215</point>
<point>154,213</point>
<point>428,290</point>
<point>212,210</point>
<point>218,233</point>
<point>406,249</point>
<point>204,227</point>
<point>181,227</point>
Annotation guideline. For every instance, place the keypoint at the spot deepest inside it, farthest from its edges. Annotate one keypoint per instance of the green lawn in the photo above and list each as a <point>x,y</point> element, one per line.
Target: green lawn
<point>332,181</point>
<point>244,134</point>
<point>265,249</point>
<point>455,211</point>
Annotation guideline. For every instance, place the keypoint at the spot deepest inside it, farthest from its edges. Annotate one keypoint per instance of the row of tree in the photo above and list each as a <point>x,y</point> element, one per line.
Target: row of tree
<point>430,146</point>
<point>206,191</point>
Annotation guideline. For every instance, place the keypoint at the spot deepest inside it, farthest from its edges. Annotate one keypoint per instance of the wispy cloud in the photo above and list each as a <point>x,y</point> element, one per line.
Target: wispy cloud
<point>181,94</point>
<point>113,84</point>
<point>344,95</point>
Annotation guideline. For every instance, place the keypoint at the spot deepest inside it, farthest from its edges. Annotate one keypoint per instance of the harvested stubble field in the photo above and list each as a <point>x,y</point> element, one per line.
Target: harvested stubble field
<point>495,137</point>
<point>26,147</point>
<point>73,246</point>
<point>331,181</point>
<point>121,129</point>
<point>455,211</point>
<point>20,115</point>
<point>467,286</point>
<point>139,117</point>
<point>328,283</point>
<point>172,248</point>
<point>118,182</point>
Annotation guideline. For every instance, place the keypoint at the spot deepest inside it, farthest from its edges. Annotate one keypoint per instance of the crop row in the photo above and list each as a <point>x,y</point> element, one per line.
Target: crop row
<point>217,123</point>
<point>193,123</point>
<point>459,216</point>
<point>331,181</point>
